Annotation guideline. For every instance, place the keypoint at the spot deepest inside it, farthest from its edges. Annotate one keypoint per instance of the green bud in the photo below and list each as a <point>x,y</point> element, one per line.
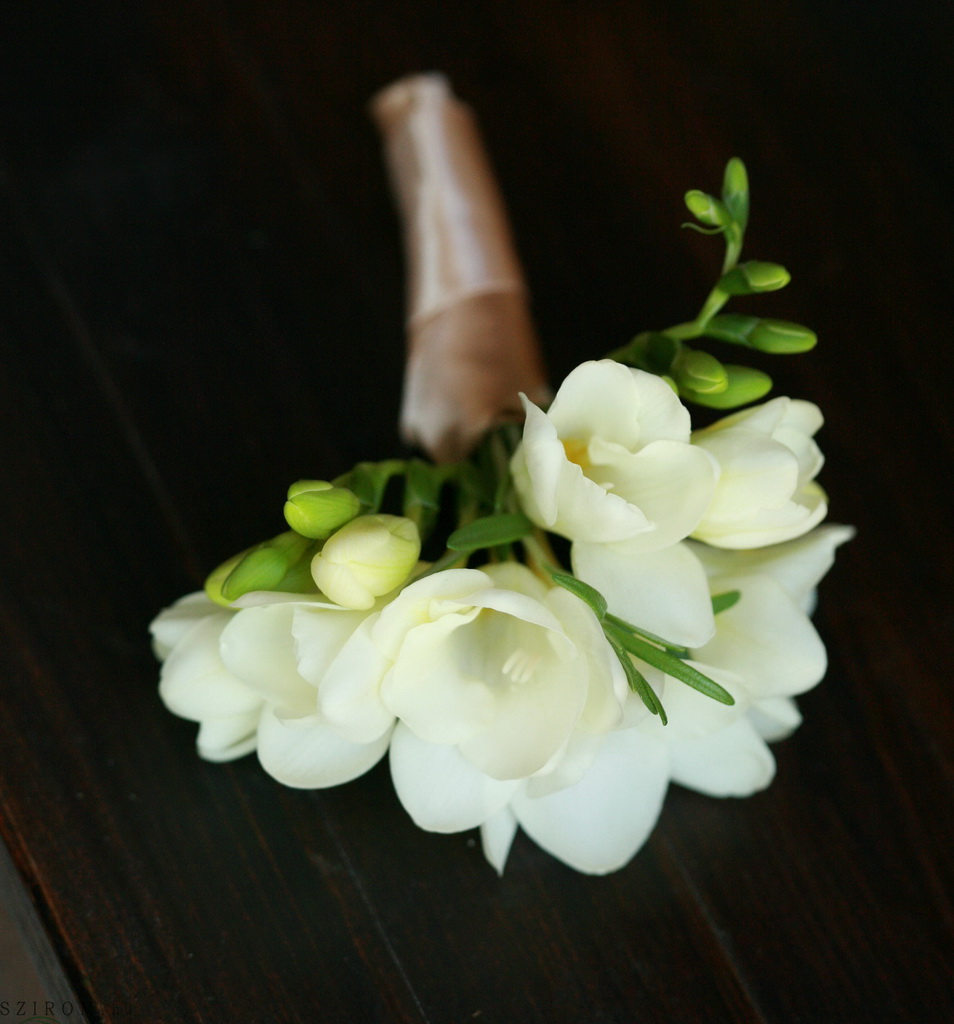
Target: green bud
<point>732,327</point>
<point>700,372</point>
<point>308,485</point>
<point>754,277</point>
<point>318,512</point>
<point>216,578</point>
<point>650,351</point>
<point>782,337</point>
<point>745,385</point>
<point>735,191</point>
<point>260,569</point>
<point>707,209</point>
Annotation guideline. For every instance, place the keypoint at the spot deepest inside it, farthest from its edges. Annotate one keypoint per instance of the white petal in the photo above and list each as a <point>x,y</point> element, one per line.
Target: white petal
<point>349,694</point>
<point>257,646</point>
<point>225,739</point>
<point>665,592</point>
<point>732,762</point>
<point>607,688</point>
<point>307,754</point>
<point>756,473</point>
<point>798,565</point>
<point>320,632</point>
<point>766,639</point>
<point>440,790</point>
<point>193,682</point>
<point>597,825</point>
<point>537,465</point>
<point>606,399</point>
<point>775,718</point>
<point>496,837</point>
<point>671,483</point>
<point>172,623</point>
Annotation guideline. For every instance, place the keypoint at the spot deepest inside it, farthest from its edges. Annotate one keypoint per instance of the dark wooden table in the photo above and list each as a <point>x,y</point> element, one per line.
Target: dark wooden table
<point>201,300</point>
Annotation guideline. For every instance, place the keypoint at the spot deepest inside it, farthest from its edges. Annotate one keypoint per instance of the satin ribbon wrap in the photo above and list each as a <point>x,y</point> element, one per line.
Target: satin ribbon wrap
<point>471,344</point>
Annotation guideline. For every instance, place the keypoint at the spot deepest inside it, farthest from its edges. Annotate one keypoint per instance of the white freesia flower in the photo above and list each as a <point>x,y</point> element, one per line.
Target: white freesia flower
<point>282,650</point>
<point>611,461</point>
<point>665,591</point>
<point>764,650</point>
<point>491,675</point>
<point>366,559</point>
<point>768,463</point>
<point>194,682</point>
<point>249,676</point>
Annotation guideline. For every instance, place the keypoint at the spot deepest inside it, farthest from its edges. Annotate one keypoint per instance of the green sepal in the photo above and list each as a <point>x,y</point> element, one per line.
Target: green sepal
<point>753,278</point>
<point>724,601</point>
<point>636,680</point>
<point>672,666</point>
<point>587,594</point>
<point>490,532</point>
<point>735,192</point>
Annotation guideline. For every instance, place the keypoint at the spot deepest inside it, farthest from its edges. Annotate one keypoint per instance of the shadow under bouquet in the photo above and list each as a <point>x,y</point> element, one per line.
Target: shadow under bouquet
<point>609,600</point>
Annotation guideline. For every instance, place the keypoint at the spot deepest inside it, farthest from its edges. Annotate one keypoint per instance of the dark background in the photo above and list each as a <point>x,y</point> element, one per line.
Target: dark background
<point>201,301</point>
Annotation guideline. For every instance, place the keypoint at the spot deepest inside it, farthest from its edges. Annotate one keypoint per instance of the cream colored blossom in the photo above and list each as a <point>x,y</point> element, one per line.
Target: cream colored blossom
<point>194,682</point>
<point>611,460</point>
<point>766,491</point>
<point>764,650</point>
<point>366,559</point>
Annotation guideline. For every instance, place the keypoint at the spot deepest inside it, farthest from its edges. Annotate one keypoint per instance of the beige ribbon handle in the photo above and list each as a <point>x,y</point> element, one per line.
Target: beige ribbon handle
<point>471,344</point>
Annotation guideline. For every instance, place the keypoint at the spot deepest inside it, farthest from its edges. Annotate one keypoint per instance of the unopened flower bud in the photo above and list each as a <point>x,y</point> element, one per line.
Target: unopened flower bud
<point>366,558</point>
<point>699,372</point>
<point>735,191</point>
<point>707,208</point>
<point>261,569</point>
<point>782,337</point>
<point>316,508</point>
<point>753,277</point>
<point>744,385</point>
<point>216,579</point>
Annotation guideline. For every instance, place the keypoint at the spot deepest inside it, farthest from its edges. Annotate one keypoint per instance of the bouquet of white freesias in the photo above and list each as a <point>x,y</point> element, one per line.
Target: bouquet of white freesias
<point>608,600</point>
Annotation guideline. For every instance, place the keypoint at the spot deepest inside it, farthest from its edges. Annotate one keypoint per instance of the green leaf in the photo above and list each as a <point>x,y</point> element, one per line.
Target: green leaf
<point>637,681</point>
<point>627,627</point>
<point>724,601</point>
<point>672,666</point>
<point>490,531</point>
<point>587,594</point>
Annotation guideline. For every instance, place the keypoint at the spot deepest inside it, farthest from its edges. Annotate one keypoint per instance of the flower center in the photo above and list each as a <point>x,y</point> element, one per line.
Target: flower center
<point>521,665</point>
<point>577,452</point>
